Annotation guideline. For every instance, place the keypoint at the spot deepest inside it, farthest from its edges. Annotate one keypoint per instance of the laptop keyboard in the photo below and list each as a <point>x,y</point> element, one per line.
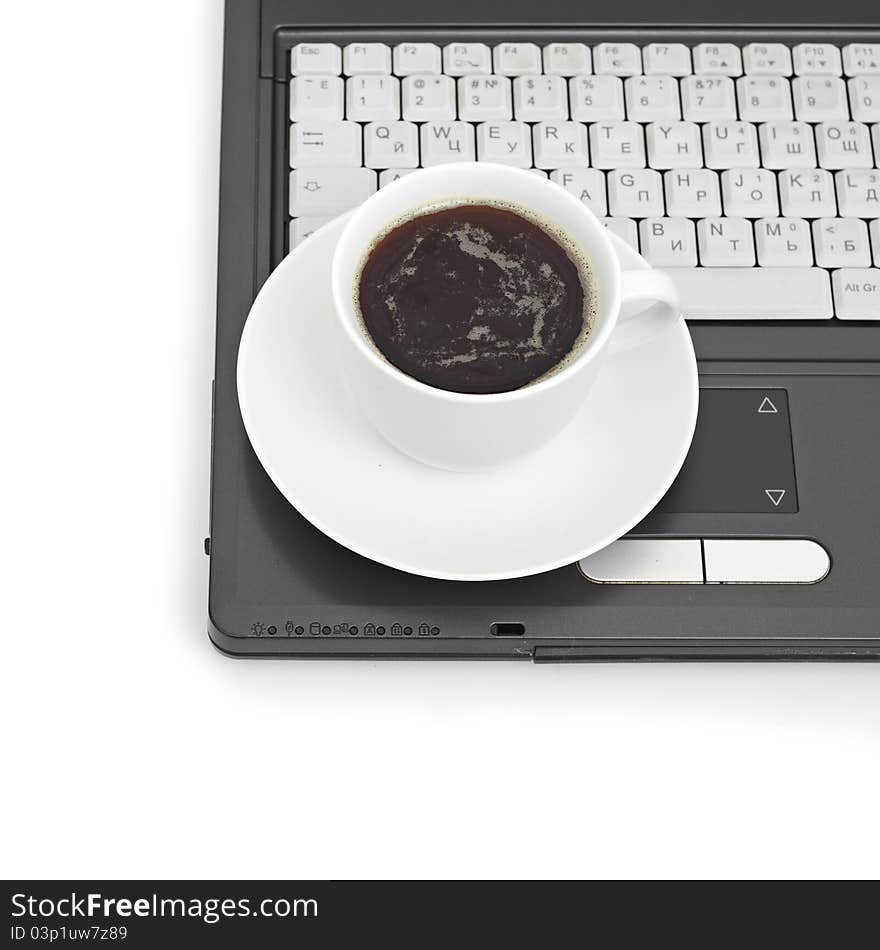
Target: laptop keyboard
<point>749,172</point>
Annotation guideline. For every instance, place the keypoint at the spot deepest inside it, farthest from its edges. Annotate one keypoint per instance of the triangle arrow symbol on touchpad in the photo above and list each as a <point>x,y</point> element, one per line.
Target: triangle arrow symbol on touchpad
<point>767,406</point>
<point>775,495</point>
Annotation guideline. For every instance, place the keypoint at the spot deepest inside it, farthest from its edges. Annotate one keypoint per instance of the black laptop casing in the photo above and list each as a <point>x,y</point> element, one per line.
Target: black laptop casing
<point>278,587</point>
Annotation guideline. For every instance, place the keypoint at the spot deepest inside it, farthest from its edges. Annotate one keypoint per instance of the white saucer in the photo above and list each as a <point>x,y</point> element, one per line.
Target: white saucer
<point>582,491</point>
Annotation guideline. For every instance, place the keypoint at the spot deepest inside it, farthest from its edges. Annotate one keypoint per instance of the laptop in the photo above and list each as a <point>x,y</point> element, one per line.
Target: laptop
<point>753,135</point>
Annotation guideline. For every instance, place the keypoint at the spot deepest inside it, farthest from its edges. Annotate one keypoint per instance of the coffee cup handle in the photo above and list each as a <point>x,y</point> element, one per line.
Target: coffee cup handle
<point>649,304</point>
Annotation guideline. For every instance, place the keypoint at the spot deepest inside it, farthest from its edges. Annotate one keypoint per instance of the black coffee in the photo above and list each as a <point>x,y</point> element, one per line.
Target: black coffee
<point>472,299</point>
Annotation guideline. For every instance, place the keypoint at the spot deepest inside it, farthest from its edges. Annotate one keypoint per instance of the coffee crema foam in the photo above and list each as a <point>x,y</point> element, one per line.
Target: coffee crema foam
<point>475,295</point>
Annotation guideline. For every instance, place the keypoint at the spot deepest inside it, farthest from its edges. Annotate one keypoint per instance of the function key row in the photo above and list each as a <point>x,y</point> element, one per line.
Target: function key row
<point>574,59</point>
<point>365,98</point>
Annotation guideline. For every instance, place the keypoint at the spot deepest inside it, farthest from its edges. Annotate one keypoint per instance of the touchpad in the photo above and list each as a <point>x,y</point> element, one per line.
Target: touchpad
<point>741,459</point>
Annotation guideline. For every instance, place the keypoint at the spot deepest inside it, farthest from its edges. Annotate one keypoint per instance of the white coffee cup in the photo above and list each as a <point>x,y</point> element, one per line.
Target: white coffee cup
<point>466,432</point>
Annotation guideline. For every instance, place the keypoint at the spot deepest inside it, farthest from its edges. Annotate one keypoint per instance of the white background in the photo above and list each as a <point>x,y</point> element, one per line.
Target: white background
<point>131,747</point>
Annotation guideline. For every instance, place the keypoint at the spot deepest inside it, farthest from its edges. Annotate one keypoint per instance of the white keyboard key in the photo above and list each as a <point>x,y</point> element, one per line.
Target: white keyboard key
<point>763,98</point>
<point>635,194</point>
<point>540,172</point>
<point>596,98</point>
<point>484,98</point>
<point>674,145</point>
<point>843,145</point>
<point>412,58</point>
<point>467,59</point>
<point>560,145</point>
<point>567,59</point>
<point>447,142</point>
<point>301,228</point>
<point>669,242</point>
<point>588,184</point>
<point>717,59</point>
<point>327,192</point>
<point>726,242</point>
<point>767,59</point>
<point>819,98</point>
<point>617,145</point>
<point>692,193</point>
<point>315,58</point>
<point>652,98</point>
<point>708,98</point>
<point>625,229</point>
<point>749,193</point>
<point>864,97</point>
<point>540,97</point>
<point>667,59</point>
<point>730,145</point>
<point>787,145</point>
<point>617,59</point>
<point>783,242</point>
<point>365,59</point>
<point>817,59</point>
<point>857,293</point>
<point>861,59</point>
<point>875,135</point>
<point>428,98</point>
<point>874,229</point>
<point>807,193</point>
<point>754,293</point>
<point>319,98</point>
<point>391,145</point>
<point>517,59</point>
<point>372,98</point>
<point>858,193</point>
<point>841,242</point>
<point>508,143</point>
<point>325,144</point>
<point>393,174</point>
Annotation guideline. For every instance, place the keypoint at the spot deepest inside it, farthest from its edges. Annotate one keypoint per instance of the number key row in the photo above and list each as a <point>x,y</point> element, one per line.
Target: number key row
<point>585,98</point>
